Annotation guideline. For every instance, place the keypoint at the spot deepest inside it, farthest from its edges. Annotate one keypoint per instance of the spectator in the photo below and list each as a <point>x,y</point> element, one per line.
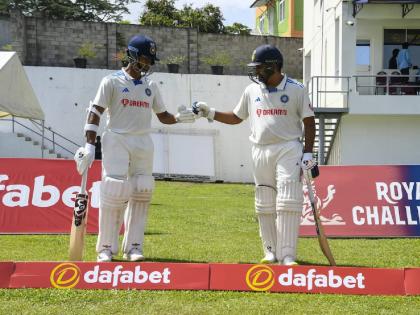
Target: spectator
<point>417,75</point>
<point>404,62</point>
<point>416,81</point>
<point>392,64</point>
<point>98,148</point>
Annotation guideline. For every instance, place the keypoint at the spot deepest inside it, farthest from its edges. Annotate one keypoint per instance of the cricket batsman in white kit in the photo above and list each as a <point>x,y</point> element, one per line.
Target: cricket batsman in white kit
<point>276,107</point>
<point>129,96</point>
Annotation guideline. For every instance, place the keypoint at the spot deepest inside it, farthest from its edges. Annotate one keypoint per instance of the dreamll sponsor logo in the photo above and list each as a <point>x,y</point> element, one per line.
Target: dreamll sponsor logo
<point>262,278</point>
<point>65,276</point>
<point>134,103</point>
<point>271,112</point>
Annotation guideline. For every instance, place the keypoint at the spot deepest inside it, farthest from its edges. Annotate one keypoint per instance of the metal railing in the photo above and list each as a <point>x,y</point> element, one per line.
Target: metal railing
<point>319,89</point>
<point>387,84</point>
<point>46,134</point>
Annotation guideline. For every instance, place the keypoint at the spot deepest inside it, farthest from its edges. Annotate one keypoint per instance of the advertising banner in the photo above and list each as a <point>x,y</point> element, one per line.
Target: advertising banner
<point>365,201</point>
<point>6,270</point>
<point>307,279</point>
<point>37,196</point>
<point>412,281</point>
<point>123,275</point>
<point>217,276</point>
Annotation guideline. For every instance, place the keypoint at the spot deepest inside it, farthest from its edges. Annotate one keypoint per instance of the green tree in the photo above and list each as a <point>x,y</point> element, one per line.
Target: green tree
<point>159,12</point>
<point>80,10</point>
<point>237,29</point>
<point>208,19</point>
<point>212,21</point>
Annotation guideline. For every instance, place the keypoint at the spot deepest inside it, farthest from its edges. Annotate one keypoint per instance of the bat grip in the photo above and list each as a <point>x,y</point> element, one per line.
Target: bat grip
<point>309,186</point>
<point>84,182</point>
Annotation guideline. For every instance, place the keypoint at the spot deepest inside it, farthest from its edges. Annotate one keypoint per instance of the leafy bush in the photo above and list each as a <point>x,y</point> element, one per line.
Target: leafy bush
<point>176,59</point>
<point>87,50</point>
<point>7,47</point>
<point>217,59</point>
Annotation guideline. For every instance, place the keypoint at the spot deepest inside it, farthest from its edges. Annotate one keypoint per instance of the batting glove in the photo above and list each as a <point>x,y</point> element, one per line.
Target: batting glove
<point>201,109</point>
<point>185,115</point>
<point>84,157</point>
<point>309,165</point>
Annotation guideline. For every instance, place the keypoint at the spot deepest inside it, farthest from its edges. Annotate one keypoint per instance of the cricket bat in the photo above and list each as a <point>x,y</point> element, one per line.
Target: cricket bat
<point>322,239</point>
<point>79,221</point>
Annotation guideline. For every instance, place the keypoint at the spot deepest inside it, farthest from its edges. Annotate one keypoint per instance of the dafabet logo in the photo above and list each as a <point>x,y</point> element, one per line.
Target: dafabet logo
<point>260,278</point>
<point>65,276</point>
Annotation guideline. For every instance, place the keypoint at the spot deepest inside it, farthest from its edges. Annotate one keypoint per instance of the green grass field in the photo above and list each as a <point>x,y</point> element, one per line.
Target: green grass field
<point>192,222</point>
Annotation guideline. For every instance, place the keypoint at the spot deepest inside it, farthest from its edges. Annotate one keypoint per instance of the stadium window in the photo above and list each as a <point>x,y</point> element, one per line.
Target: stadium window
<point>261,24</point>
<point>282,10</point>
<point>363,52</point>
<point>393,38</point>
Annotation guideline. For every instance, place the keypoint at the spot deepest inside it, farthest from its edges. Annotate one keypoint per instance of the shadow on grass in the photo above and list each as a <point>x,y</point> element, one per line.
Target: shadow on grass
<point>155,233</point>
<point>308,263</point>
<point>166,260</point>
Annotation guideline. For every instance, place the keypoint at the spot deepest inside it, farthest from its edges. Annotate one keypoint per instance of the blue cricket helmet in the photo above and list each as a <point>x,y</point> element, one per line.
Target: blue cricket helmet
<point>142,45</point>
<point>266,54</point>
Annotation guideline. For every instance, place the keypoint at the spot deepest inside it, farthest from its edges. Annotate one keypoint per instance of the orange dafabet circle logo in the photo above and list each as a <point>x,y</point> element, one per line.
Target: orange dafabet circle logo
<point>65,276</point>
<point>260,278</point>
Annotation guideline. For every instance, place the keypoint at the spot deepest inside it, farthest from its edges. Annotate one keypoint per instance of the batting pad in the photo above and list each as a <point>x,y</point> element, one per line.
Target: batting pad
<point>113,201</point>
<point>287,234</point>
<point>289,195</point>
<point>289,210</point>
<point>265,207</point>
<point>136,215</point>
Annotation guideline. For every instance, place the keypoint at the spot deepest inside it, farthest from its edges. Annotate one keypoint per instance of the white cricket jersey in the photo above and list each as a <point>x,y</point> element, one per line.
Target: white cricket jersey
<point>275,114</point>
<point>129,102</point>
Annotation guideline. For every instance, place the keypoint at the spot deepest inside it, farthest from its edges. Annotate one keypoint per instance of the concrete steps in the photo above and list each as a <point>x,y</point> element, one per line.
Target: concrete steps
<point>48,153</point>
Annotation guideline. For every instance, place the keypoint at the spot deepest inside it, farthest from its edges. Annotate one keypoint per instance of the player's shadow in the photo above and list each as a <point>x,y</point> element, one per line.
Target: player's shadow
<point>166,260</point>
<point>309,263</point>
<point>154,233</point>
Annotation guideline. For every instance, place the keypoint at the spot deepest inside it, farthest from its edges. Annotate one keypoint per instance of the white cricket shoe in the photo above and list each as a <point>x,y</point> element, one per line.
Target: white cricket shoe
<point>134,255</point>
<point>269,258</point>
<point>104,256</point>
<point>289,261</point>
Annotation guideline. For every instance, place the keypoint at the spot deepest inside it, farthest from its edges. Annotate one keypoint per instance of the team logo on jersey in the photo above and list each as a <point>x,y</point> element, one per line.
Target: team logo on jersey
<point>284,98</point>
<point>125,90</point>
<point>148,92</point>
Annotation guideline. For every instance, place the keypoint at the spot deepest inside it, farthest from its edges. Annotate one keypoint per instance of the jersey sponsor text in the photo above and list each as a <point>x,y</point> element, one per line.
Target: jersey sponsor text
<point>271,112</point>
<point>134,103</point>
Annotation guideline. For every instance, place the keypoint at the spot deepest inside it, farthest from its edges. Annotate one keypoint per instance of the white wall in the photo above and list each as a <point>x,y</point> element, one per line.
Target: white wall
<point>377,140</point>
<point>64,94</point>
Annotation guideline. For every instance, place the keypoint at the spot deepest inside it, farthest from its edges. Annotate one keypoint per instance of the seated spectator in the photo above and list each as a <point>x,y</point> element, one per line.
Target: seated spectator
<point>392,64</point>
<point>404,62</point>
<point>417,75</point>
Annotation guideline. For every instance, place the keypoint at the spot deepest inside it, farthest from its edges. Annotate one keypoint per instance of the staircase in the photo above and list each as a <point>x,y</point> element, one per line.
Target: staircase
<point>327,122</point>
<point>48,153</point>
<point>36,140</point>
